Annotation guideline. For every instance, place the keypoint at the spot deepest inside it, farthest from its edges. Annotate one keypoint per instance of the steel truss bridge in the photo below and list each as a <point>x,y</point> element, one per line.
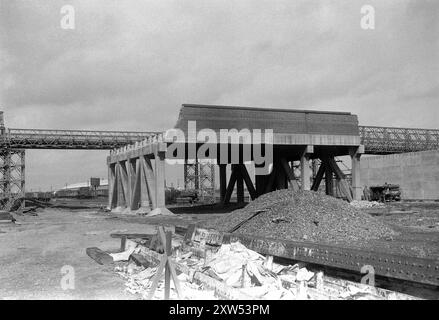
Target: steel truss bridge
<point>13,143</point>
<point>69,139</point>
<point>376,140</point>
<point>388,140</point>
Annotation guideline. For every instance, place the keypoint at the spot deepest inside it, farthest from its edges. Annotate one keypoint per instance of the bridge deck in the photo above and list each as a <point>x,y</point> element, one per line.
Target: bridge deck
<point>69,139</point>
<point>376,140</point>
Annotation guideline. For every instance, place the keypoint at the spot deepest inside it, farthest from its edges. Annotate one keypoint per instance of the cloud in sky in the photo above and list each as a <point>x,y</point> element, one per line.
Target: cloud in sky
<point>129,65</point>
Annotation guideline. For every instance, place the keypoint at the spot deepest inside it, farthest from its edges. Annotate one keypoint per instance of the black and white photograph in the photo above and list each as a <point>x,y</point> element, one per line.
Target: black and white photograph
<point>227,156</point>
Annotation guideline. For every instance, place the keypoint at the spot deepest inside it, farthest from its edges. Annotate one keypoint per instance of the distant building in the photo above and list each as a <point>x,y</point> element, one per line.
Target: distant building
<point>74,186</point>
<point>83,189</point>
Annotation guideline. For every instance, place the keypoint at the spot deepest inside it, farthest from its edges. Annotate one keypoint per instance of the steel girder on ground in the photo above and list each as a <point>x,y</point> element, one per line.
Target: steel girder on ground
<point>387,140</point>
<point>69,139</point>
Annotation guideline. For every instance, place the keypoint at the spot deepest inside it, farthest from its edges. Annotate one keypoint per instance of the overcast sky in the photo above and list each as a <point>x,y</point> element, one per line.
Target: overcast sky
<point>129,65</point>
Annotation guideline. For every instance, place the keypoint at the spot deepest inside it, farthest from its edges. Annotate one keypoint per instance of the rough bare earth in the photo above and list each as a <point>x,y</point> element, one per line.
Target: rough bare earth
<point>34,250</point>
<point>307,215</point>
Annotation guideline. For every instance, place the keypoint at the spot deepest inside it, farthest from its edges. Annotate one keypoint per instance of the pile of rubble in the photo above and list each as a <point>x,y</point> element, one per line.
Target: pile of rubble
<point>303,216</point>
<point>232,271</point>
<point>139,281</point>
<point>244,273</point>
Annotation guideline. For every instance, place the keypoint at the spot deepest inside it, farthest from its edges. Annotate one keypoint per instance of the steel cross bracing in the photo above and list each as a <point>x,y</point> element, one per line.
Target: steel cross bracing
<point>12,178</point>
<point>68,139</point>
<point>201,177</point>
<point>388,140</point>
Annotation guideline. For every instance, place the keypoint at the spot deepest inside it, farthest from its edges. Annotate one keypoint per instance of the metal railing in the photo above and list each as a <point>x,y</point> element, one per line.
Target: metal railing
<point>69,139</point>
<point>388,140</point>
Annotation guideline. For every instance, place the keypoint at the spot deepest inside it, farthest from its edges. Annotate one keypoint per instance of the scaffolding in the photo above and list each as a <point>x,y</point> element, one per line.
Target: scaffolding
<point>12,181</point>
<point>200,176</point>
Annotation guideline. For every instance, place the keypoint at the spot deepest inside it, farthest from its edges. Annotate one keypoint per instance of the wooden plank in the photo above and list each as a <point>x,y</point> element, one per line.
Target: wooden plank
<point>292,181</point>
<point>344,186</point>
<point>99,256</point>
<point>114,188</point>
<point>168,253</point>
<point>305,170</point>
<point>140,260</point>
<point>125,183</point>
<point>136,193</point>
<point>239,183</point>
<point>189,232</point>
<point>132,235</point>
<point>160,179</point>
<point>251,189</point>
<point>260,181</point>
<point>230,187</point>
<point>157,277</point>
<point>111,186</point>
<point>237,226</point>
<point>223,181</point>
<point>270,182</point>
<point>281,177</point>
<point>150,181</point>
<point>329,181</point>
<point>119,182</point>
<point>319,177</point>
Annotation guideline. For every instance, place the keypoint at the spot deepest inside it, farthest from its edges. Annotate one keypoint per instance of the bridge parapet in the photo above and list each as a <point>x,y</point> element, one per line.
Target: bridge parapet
<point>389,140</point>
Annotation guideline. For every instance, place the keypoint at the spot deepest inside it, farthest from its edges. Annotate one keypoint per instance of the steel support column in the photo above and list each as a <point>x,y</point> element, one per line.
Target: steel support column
<point>12,179</point>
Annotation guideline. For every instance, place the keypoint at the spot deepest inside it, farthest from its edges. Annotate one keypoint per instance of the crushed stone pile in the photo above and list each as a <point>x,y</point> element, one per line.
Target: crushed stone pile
<point>303,216</point>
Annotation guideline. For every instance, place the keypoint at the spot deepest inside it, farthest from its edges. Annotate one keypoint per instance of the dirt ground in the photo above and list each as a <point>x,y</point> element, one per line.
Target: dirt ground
<point>34,250</point>
<point>417,224</point>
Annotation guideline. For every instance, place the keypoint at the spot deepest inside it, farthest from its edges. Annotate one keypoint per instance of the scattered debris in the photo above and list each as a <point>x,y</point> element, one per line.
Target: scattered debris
<point>99,256</point>
<point>223,271</point>
<point>130,248</point>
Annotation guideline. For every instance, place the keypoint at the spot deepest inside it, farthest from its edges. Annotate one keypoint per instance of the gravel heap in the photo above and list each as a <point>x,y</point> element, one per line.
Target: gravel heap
<point>304,216</point>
